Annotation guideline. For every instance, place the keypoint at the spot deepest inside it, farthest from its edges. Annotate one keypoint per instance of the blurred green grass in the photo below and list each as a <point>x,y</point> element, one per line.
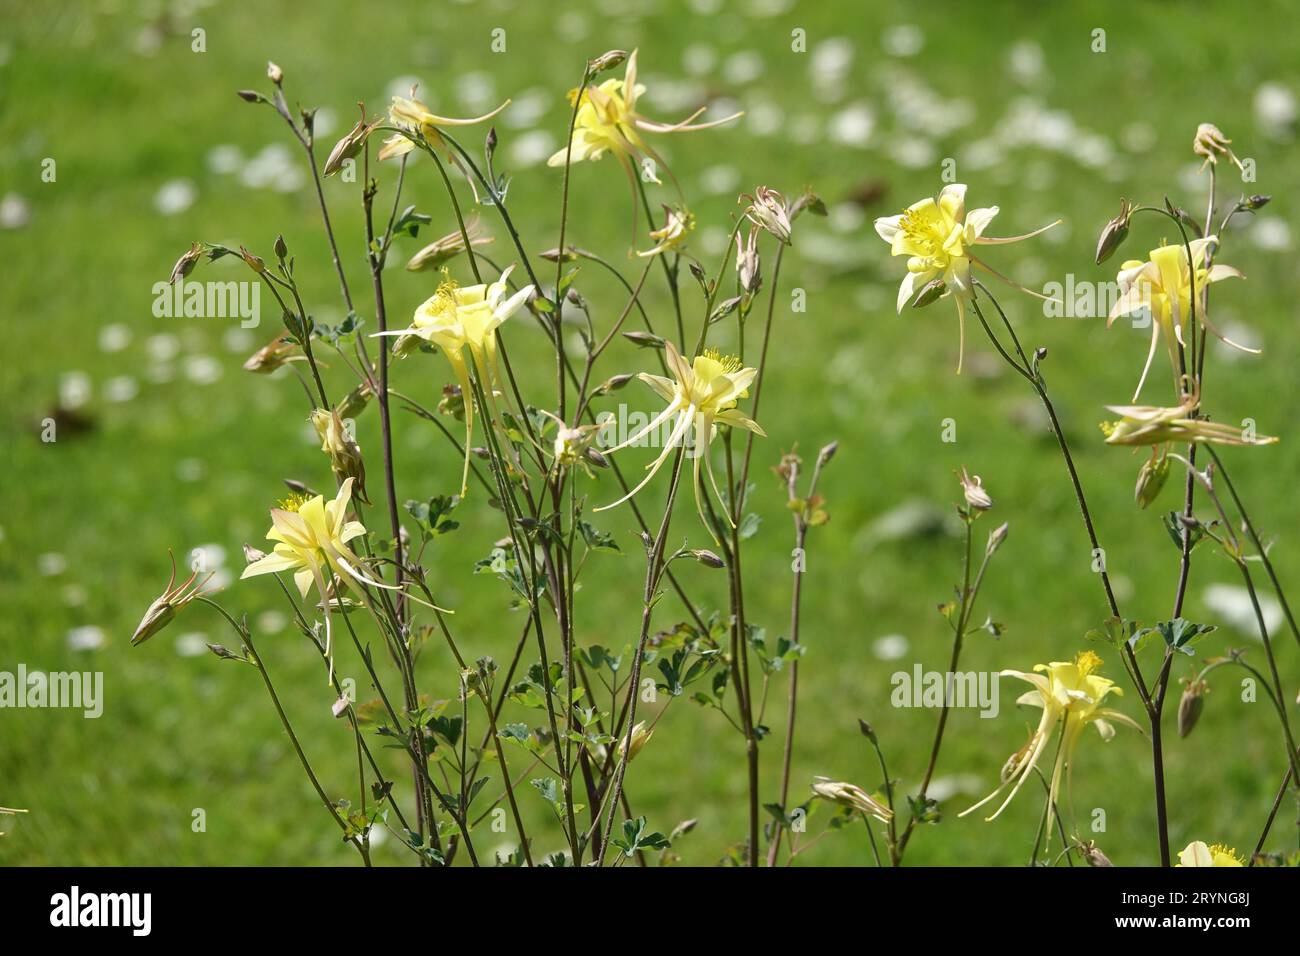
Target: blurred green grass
<point>185,464</point>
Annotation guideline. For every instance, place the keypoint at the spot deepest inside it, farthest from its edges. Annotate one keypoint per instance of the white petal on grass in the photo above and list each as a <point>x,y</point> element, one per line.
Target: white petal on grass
<point>891,647</point>
<point>1240,333</point>
<point>699,59</point>
<point>1231,607</point>
<point>189,469</point>
<point>1275,109</point>
<point>271,622</point>
<point>1025,62</point>
<point>852,126</point>
<point>476,91</point>
<point>114,338</point>
<point>86,638</point>
<point>175,197</point>
<point>846,217</point>
<point>912,152</point>
<point>162,347</point>
<point>1138,137</point>
<point>763,118</point>
<point>325,122</point>
<point>121,388</point>
<point>51,563</point>
<point>74,595</point>
<point>906,39</point>
<point>720,180</point>
<point>1271,233</point>
<point>743,67</point>
<point>528,108</point>
<point>202,369</point>
<point>225,158</point>
<point>14,211</point>
<point>74,389</point>
<point>238,340</point>
<point>532,148</point>
<point>274,167</point>
<point>191,644</point>
<point>942,788</point>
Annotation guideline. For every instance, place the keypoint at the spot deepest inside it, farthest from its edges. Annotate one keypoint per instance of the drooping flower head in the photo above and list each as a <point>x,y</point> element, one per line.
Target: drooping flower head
<point>937,236</point>
<point>701,396</point>
<point>1071,696</point>
<point>464,319</point>
<point>1162,287</point>
<point>851,795</point>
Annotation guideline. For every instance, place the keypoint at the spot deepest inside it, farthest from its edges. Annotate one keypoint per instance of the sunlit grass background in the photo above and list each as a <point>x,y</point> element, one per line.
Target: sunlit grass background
<point>186,450</point>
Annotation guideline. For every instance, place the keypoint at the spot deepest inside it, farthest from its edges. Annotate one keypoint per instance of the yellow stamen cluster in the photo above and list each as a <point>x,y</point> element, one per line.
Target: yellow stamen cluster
<point>729,363</point>
<point>1087,662</point>
<point>294,502</point>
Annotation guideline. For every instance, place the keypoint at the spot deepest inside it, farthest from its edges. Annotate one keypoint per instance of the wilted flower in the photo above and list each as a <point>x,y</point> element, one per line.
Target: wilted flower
<point>436,253</point>
<point>1152,425</point>
<point>348,146</point>
<point>607,121</point>
<point>167,605</point>
<point>185,264</point>
<point>937,237</point>
<point>767,209</point>
<point>344,453</point>
<point>678,224</point>
<point>1070,695</point>
<point>972,490</point>
<point>457,319</point>
<point>1162,286</point>
<point>273,355</point>
<point>1092,854</point>
<point>1197,853</point>
<point>701,396</point>
<point>1211,143</point>
<point>851,795</point>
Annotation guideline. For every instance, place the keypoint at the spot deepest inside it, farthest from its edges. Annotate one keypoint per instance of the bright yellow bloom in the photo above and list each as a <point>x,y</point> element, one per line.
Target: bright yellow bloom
<point>1142,425</point>
<point>937,236</point>
<point>311,536</point>
<point>851,795</point>
<point>701,396</point>
<point>607,121</point>
<point>1162,287</point>
<point>415,120</point>
<point>459,319</point>
<point>1070,695</point>
<point>1198,854</point>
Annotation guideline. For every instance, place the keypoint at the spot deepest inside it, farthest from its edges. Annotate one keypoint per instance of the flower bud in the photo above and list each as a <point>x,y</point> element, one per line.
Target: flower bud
<point>1093,856</point>
<point>355,401</point>
<point>348,146</point>
<point>1190,705</point>
<point>708,558</point>
<point>274,73</point>
<point>996,537</point>
<point>851,795</point>
<point>644,339</point>
<point>250,96</point>
<point>185,264</point>
<point>928,293</point>
<point>640,736</point>
<point>614,383</point>
<point>166,606</point>
<point>748,266</point>
<point>1251,203</point>
<point>827,453</point>
<point>343,451</point>
<point>606,61</point>
<point>1151,480</point>
<point>254,262</point>
<point>1115,232</point>
<point>271,356</point>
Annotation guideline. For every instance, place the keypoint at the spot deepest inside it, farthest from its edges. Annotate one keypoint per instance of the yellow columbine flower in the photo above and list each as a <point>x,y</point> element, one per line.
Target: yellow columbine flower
<point>607,121</point>
<point>851,795</point>
<point>415,120</point>
<point>937,236</point>
<point>1070,695</point>
<point>1162,286</point>
<point>678,224</point>
<point>311,536</point>
<point>457,319</point>
<point>1198,854</point>
<point>1142,425</point>
<point>701,396</point>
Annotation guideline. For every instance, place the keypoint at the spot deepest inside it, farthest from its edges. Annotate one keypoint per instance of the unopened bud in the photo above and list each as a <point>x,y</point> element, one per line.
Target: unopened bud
<point>1151,479</point>
<point>1190,705</point>
<point>606,61</point>
<point>928,293</point>
<point>614,383</point>
<point>644,339</point>
<point>185,264</point>
<point>996,537</point>
<point>708,558</point>
<point>827,453</point>
<point>1251,203</point>
<point>281,248</point>
<point>274,73</point>
<point>250,96</point>
<point>1114,232</point>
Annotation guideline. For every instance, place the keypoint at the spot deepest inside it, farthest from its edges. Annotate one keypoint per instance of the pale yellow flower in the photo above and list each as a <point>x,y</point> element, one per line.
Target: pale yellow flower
<point>465,319</point>
<point>851,795</point>
<point>937,236</point>
<point>608,121</point>
<point>1070,695</point>
<point>701,396</point>
<point>678,224</point>
<point>1147,425</point>
<point>1162,287</point>
<point>1197,853</point>
<point>416,120</point>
